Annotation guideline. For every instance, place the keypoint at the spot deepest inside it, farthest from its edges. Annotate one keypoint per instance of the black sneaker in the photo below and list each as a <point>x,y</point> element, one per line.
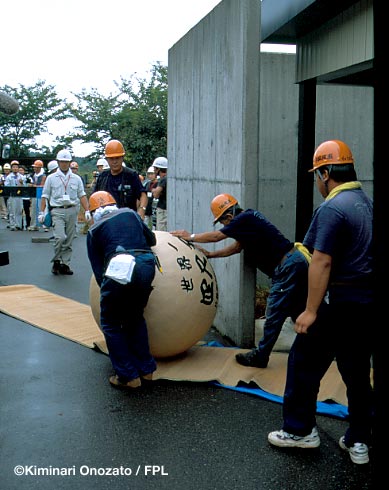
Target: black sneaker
<point>65,270</point>
<point>252,359</point>
<point>56,269</point>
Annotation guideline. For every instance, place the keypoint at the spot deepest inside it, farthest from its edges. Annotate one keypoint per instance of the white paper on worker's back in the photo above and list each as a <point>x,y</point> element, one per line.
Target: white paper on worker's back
<point>120,268</point>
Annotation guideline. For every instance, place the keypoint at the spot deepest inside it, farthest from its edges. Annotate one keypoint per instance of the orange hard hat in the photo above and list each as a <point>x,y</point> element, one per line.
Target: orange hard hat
<point>38,164</point>
<point>74,165</point>
<point>220,204</point>
<point>114,149</point>
<point>99,199</point>
<point>332,152</point>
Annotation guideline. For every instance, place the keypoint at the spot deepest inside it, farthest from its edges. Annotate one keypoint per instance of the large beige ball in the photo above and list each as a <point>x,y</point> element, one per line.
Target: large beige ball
<point>182,305</point>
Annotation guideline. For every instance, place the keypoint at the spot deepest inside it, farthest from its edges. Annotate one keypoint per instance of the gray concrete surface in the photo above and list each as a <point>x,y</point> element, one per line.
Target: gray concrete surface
<point>233,119</point>
<point>59,411</point>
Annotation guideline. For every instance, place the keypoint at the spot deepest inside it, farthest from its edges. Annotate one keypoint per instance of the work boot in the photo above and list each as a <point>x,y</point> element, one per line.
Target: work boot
<point>252,359</point>
<point>124,384</point>
<point>56,269</point>
<point>65,270</point>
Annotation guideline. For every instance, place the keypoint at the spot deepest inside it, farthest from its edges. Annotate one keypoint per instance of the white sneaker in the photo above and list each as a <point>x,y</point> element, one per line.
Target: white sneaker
<point>359,452</point>
<point>282,438</point>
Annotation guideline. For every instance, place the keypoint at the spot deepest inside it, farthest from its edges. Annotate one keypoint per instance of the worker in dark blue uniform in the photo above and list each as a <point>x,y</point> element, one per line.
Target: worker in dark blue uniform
<point>267,249</point>
<point>337,320</point>
<point>122,182</point>
<point>119,249</point>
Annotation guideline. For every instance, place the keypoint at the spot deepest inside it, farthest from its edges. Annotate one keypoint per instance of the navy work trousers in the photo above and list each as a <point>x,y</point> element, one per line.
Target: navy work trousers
<point>342,333</point>
<point>123,323</point>
<point>287,298</point>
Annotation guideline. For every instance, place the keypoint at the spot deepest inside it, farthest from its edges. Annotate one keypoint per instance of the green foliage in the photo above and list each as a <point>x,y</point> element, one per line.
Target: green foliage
<point>37,106</point>
<point>97,118</point>
<point>143,120</point>
<point>136,115</point>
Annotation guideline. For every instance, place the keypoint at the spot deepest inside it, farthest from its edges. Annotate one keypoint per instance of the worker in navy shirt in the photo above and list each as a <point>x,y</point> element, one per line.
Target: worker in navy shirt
<point>337,320</point>
<point>268,250</point>
<point>121,182</point>
<point>119,237</point>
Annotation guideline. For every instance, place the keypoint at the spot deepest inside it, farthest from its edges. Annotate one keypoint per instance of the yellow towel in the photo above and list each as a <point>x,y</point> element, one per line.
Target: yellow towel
<point>301,248</point>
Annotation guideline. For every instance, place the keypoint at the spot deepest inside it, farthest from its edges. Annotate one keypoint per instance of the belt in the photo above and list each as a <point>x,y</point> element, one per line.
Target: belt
<point>291,251</point>
<point>63,207</point>
<point>135,253</point>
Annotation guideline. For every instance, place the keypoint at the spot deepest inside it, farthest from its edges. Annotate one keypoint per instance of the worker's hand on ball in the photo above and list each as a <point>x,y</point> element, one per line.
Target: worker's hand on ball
<point>41,217</point>
<point>181,234</point>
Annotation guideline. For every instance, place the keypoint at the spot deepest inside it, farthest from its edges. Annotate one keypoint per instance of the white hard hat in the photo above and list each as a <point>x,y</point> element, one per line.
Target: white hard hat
<point>52,165</point>
<point>160,162</point>
<point>7,166</point>
<point>151,170</point>
<point>64,156</point>
<point>101,162</point>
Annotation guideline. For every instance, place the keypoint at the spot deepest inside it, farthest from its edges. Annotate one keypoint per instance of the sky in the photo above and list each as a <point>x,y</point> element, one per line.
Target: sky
<point>77,44</point>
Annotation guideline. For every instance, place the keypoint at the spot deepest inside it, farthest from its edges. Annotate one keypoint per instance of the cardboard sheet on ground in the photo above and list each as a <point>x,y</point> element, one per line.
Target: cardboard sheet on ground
<point>74,321</point>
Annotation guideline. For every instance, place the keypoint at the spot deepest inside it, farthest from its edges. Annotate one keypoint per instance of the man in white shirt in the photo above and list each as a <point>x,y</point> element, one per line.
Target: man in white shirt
<point>15,203</point>
<point>63,191</point>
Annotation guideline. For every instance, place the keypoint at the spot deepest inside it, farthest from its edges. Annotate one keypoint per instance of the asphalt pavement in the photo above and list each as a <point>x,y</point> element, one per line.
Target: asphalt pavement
<point>64,427</point>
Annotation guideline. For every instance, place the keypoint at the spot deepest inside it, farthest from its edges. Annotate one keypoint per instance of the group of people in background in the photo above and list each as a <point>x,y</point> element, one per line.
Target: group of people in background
<point>63,196</point>
<point>21,210</point>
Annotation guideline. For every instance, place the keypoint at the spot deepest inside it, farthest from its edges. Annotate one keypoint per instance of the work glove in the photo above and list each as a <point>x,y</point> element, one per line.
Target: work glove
<point>41,217</point>
<point>88,216</point>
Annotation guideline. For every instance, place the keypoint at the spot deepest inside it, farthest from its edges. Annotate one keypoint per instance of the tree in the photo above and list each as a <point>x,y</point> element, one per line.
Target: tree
<point>38,105</point>
<point>97,116</point>
<point>136,115</point>
<point>143,120</point>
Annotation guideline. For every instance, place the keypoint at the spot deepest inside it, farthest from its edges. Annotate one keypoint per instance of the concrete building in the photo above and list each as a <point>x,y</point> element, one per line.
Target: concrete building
<point>246,122</point>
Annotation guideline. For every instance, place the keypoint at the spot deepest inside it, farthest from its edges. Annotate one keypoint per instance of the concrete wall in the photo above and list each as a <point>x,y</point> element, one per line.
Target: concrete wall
<point>213,140</point>
<point>233,120</point>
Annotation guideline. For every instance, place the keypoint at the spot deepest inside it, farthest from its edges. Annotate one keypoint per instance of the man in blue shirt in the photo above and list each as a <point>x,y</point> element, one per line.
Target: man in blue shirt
<point>267,249</point>
<point>120,242</point>
<point>339,309</point>
<point>121,182</point>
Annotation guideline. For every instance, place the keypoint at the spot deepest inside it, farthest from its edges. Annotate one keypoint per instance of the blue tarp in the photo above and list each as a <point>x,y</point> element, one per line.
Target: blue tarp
<point>329,408</point>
